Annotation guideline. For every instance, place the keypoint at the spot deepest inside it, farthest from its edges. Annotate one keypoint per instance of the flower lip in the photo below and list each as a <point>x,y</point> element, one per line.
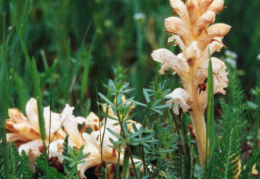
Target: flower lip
<point>169,61</point>
<point>179,97</point>
<point>219,74</point>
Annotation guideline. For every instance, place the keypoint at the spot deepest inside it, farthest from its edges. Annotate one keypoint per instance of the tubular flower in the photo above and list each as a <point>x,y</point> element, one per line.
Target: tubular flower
<point>24,129</point>
<point>25,133</point>
<point>191,30</point>
<point>179,97</point>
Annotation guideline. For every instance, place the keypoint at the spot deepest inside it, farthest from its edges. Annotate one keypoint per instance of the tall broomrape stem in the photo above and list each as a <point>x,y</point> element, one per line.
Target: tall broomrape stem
<point>199,126</point>
<point>191,30</point>
<point>198,120</point>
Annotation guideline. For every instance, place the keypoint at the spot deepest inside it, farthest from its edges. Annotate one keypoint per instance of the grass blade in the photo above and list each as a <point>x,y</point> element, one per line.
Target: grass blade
<point>19,30</point>
<point>210,126</point>
<point>38,96</point>
<point>86,71</point>
<point>3,110</point>
<point>256,123</point>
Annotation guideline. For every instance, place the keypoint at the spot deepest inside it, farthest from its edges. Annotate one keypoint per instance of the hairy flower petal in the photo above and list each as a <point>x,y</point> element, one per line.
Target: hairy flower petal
<point>17,137</point>
<point>34,145</point>
<point>205,19</point>
<point>32,112</point>
<point>216,6</point>
<point>15,115</point>
<point>177,41</point>
<point>19,124</point>
<point>107,150</point>
<point>177,26</point>
<point>169,60</point>
<point>52,117</point>
<point>192,51</point>
<point>218,30</point>
<point>55,149</point>
<point>193,9</point>
<point>92,120</point>
<point>214,46</point>
<point>219,74</point>
<point>179,97</point>
<point>70,123</point>
<point>90,161</point>
<point>204,5</point>
<point>180,8</point>
<point>33,149</point>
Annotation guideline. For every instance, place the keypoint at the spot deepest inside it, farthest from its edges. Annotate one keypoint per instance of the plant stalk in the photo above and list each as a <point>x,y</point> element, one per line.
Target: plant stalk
<point>128,146</point>
<point>199,127</point>
<point>197,114</point>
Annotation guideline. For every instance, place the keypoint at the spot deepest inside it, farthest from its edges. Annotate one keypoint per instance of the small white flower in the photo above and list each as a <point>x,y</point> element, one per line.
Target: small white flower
<point>179,97</point>
<point>258,57</point>
<point>232,62</point>
<point>139,16</point>
<point>231,54</point>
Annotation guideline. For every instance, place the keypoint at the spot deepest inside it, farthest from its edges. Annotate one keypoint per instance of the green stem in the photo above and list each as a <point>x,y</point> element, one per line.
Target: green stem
<point>102,138</point>
<point>178,132</point>
<point>256,128</point>
<point>146,117</point>
<point>4,102</point>
<point>128,146</point>
<point>75,168</point>
<point>118,165</point>
<point>50,116</point>
<point>170,121</point>
<point>143,159</point>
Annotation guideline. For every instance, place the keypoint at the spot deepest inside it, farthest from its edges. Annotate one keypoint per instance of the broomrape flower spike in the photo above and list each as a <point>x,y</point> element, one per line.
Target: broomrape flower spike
<point>191,30</point>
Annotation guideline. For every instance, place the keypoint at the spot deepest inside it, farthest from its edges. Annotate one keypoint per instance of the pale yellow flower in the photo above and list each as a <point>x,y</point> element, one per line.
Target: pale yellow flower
<point>24,132</point>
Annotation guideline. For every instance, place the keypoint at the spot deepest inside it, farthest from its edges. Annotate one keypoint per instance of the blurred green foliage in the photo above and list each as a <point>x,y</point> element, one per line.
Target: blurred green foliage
<point>76,43</point>
<point>244,37</point>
